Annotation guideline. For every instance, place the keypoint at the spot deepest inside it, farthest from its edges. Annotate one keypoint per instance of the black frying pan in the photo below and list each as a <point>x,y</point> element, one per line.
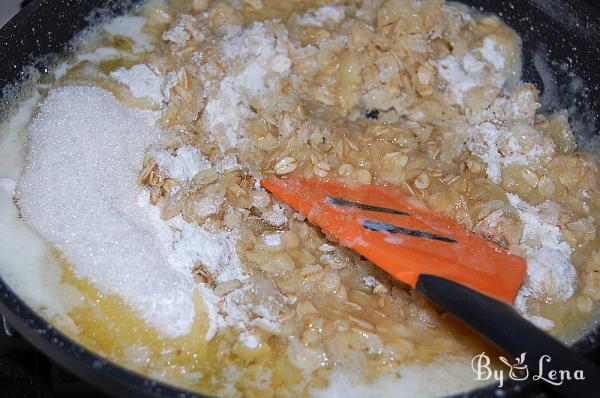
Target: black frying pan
<point>567,32</point>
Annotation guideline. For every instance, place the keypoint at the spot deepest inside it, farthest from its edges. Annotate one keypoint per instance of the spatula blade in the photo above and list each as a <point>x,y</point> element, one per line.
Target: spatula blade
<point>406,240</point>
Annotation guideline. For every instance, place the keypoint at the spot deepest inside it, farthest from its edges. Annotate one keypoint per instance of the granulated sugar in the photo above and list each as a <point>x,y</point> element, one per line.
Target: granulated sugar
<point>78,191</point>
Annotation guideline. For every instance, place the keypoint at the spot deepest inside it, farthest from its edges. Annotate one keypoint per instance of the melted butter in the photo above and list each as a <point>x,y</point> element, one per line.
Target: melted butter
<point>106,325</point>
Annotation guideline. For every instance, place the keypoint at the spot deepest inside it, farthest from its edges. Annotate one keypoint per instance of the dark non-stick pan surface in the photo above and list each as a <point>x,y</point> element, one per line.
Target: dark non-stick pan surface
<point>560,39</point>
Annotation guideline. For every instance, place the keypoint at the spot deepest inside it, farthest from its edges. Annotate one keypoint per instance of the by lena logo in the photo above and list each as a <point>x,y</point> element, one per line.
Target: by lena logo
<point>518,370</point>
<point>481,365</point>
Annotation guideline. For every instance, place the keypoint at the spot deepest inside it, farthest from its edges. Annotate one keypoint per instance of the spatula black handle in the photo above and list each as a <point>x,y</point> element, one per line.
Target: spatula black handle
<point>505,328</point>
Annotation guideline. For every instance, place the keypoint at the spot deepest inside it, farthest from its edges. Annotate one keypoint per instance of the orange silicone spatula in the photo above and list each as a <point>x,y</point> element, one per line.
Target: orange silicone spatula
<point>385,226</point>
<point>463,273</point>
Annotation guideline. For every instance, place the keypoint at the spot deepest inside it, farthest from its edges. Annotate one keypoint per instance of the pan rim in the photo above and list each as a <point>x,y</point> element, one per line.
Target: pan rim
<point>58,346</point>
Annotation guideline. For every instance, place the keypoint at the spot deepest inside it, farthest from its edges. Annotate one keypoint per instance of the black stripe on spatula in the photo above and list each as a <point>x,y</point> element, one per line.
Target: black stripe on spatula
<point>394,229</point>
<point>362,206</point>
<point>499,323</point>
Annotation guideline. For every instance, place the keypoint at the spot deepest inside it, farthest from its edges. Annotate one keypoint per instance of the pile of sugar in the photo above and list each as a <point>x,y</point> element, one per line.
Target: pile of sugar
<point>77,192</point>
<point>256,58</point>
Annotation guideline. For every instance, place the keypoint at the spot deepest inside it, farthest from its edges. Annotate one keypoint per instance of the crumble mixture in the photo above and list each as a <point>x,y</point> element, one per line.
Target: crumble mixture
<point>143,166</point>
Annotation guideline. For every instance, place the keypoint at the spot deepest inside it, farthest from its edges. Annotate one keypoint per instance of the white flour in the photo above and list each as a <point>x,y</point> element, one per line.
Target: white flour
<point>323,15</point>
<point>490,53</point>
<point>142,81</point>
<point>256,59</point>
<point>502,135</point>
<point>483,142</point>
<point>479,67</point>
<point>182,165</point>
<point>272,239</point>
<point>499,147</point>
<point>183,30</point>
<point>550,275</point>
<point>185,244</point>
<point>276,216</point>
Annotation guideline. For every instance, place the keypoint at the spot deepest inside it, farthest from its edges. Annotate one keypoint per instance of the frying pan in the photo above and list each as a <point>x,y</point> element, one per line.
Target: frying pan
<point>561,57</point>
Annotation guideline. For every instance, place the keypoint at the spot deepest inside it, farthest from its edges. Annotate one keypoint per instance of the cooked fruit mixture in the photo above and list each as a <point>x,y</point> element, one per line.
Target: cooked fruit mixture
<point>142,175</point>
